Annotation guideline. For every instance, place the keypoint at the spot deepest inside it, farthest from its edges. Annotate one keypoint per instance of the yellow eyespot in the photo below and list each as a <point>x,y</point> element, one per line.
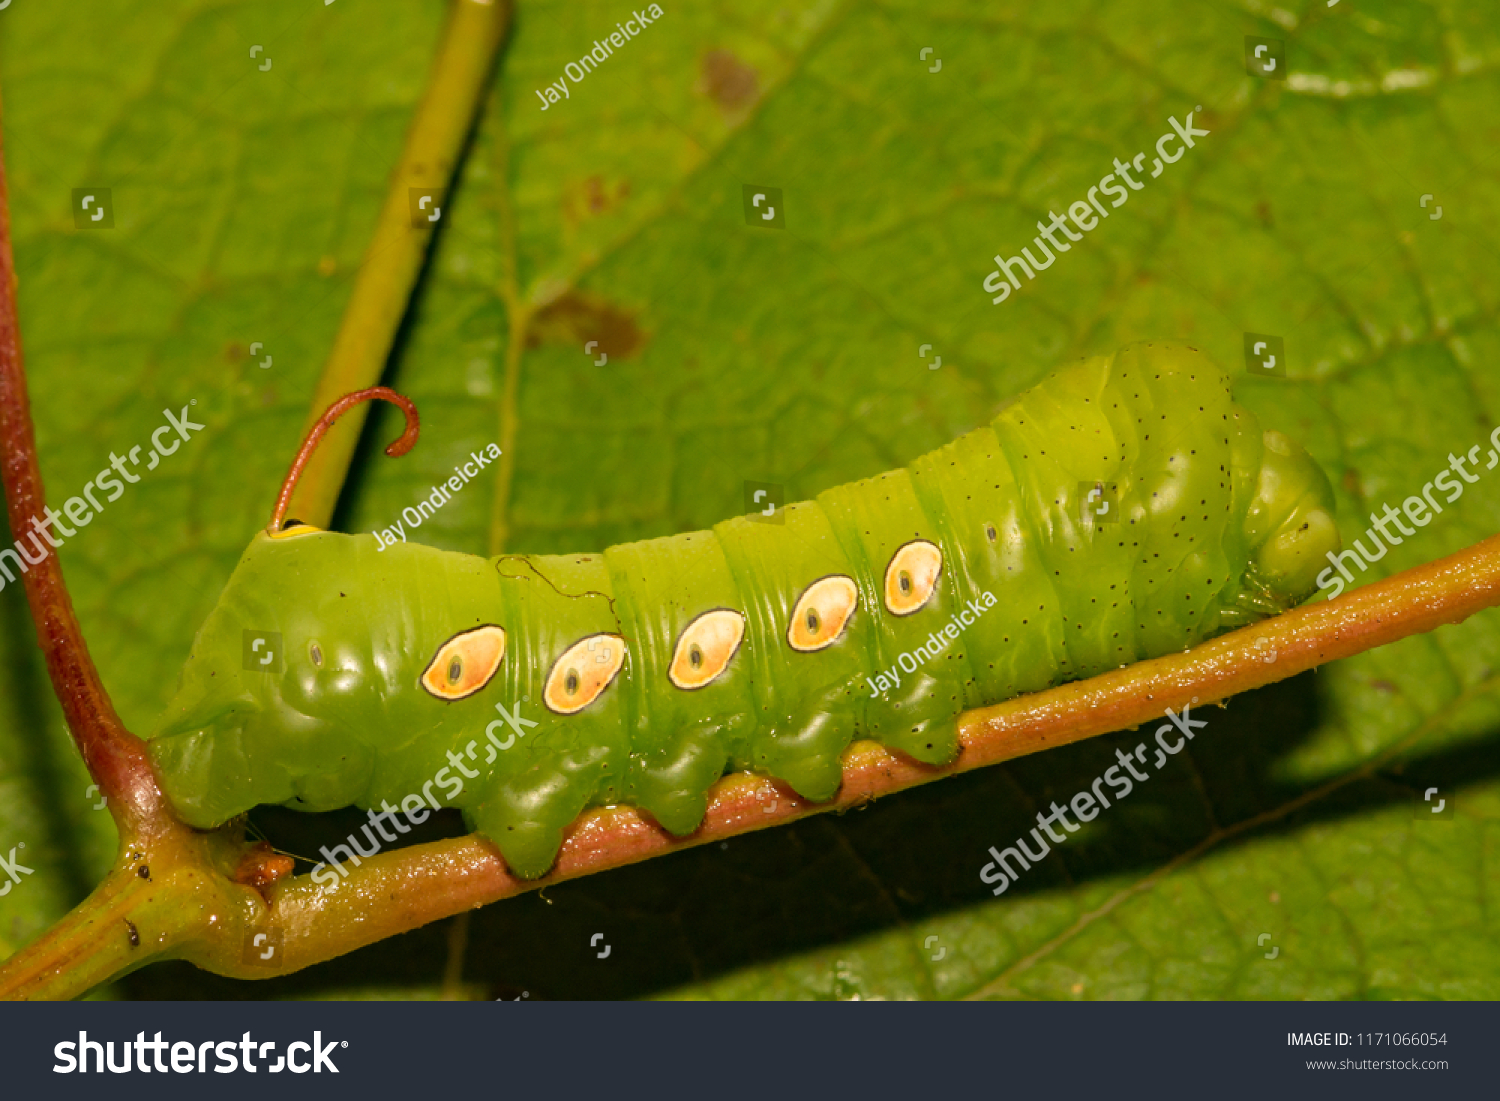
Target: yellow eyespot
<point>822,612</point>
<point>583,672</point>
<point>912,576</point>
<point>465,663</point>
<point>705,647</point>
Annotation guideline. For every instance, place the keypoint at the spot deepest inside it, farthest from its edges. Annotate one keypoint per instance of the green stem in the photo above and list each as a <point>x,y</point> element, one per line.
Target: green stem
<point>394,258</point>
<point>169,896</point>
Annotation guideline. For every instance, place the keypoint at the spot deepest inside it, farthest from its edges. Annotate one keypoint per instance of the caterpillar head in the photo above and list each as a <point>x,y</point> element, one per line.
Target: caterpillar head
<point>289,678</point>
<point>1289,525</point>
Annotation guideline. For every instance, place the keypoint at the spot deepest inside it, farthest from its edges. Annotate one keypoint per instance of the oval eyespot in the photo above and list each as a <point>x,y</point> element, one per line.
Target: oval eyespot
<point>821,613</point>
<point>912,576</point>
<point>705,648</point>
<point>465,663</point>
<point>584,671</point>
<point>315,654</point>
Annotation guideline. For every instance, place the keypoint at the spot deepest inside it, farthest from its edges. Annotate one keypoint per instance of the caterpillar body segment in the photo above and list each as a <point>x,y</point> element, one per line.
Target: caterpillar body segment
<point>1121,509</point>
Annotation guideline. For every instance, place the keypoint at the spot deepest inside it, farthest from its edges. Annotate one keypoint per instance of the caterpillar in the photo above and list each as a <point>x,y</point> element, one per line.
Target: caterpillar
<point>1123,508</point>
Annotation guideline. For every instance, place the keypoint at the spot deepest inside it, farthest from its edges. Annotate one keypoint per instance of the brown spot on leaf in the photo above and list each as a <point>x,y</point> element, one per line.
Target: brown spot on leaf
<point>234,351</point>
<point>593,198</point>
<point>594,192</point>
<point>1351,482</point>
<point>575,319</point>
<point>728,81</point>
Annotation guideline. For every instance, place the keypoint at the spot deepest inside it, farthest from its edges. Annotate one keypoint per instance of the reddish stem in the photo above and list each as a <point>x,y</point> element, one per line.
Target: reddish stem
<point>400,446</point>
<point>400,890</point>
<point>116,758</point>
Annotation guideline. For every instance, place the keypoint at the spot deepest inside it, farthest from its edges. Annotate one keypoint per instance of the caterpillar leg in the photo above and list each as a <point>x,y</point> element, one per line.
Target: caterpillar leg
<point>804,749</point>
<point>672,783</point>
<point>527,815</point>
<point>918,716</point>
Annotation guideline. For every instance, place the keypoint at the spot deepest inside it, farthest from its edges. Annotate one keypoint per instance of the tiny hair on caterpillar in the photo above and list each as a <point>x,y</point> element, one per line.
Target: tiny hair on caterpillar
<point>1123,508</point>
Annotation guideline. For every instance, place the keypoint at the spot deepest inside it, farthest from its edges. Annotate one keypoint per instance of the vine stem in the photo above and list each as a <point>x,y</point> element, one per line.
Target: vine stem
<point>116,758</point>
<point>396,891</point>
<point>97,941</point>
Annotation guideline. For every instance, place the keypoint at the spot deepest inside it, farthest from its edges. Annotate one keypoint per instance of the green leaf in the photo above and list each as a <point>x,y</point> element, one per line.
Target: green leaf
<point>791,355</point>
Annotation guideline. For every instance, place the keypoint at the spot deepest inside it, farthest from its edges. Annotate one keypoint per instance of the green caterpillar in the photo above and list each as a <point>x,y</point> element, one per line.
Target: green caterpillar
<point>988,568</point>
